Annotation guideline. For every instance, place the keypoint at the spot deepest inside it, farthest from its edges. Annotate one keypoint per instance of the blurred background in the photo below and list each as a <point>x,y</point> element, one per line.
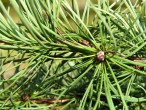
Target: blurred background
<point>81,4</point>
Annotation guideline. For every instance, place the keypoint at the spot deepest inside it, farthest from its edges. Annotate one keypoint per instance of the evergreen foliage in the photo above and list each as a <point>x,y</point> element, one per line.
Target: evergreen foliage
<point>65,58</point>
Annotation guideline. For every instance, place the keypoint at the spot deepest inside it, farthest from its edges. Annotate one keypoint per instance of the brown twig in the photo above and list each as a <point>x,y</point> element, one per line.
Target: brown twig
<point>84,42</point>
<point>49,101</point>
<point>135,59</point>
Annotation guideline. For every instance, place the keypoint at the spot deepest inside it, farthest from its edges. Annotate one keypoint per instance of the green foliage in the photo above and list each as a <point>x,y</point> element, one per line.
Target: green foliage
<point>62,58</point>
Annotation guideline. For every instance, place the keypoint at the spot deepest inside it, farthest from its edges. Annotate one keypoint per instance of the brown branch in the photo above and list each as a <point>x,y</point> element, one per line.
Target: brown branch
<point>136,59</point>
<point>49,101</point>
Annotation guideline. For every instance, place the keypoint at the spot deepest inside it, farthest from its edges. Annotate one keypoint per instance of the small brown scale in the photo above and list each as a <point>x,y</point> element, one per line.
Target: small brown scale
<point>24,97</point>
<point>100,56</point>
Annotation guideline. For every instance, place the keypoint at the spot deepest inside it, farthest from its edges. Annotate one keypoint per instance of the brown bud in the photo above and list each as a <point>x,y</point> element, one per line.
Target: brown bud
<point>24,97</point>
<point>100,56</point>
<point>139,67</point>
